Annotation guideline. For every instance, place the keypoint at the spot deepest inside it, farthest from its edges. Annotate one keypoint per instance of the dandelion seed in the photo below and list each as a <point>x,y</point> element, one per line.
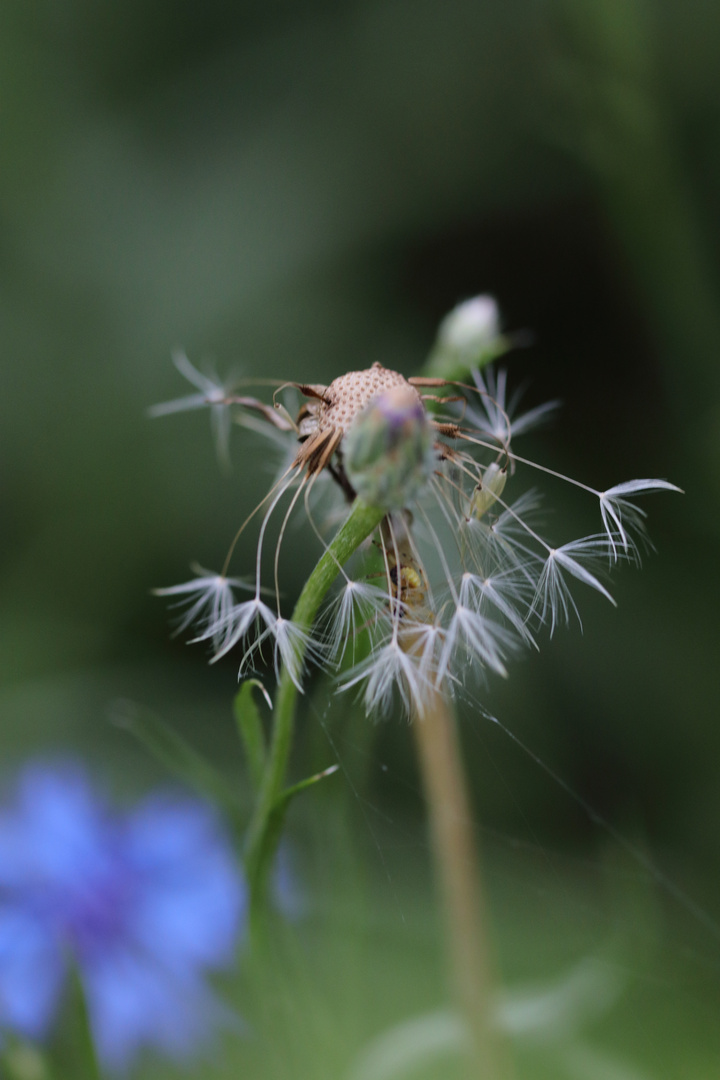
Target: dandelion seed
<point>210,599</point>
<point>392,669</point>
<point>621,518</point>
<point>293,648</point>
<point>358,603</point>
<point>481,639</point>
<point>503,543</point>
<point>213,394</point>
<point>237,624</point>
<point>554,602</point>
<point>423,642</point>
<point>507,594</point>
<point>497,417</point>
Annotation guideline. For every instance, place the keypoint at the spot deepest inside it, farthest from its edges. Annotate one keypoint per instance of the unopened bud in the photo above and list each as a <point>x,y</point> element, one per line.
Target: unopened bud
<point>388,451</point>
<point>468,338</point>
<point>488,490</point>
<point>471,326</point>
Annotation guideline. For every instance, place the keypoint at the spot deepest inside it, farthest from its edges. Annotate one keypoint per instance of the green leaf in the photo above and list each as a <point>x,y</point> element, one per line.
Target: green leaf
<point>249,725</point>
<point>175,754</point>
<point>289,793</point>
<point>74,1052</point>
<point>267,845</point>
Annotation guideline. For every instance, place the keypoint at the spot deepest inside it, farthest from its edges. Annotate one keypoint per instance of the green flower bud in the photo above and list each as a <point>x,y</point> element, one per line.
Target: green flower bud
<point>468,338</point>
<point>388,450</point>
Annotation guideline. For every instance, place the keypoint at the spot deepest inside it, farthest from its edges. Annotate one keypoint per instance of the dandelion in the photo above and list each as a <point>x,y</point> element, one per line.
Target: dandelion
<point>463,574</point>
<point>142,904</point>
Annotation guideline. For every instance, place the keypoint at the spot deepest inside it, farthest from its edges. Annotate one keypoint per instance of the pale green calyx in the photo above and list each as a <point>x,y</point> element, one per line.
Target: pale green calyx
<point>388,450</point>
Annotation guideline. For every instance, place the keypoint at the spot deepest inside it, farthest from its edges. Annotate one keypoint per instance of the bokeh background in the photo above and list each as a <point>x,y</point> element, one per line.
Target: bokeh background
<point>299,189</point>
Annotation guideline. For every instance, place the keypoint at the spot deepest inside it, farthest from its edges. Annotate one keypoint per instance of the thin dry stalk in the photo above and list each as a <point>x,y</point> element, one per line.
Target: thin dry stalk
<point>455,856</point>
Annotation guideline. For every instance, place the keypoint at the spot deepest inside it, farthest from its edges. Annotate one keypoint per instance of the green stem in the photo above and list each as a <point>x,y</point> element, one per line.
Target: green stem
<point>363,519</point>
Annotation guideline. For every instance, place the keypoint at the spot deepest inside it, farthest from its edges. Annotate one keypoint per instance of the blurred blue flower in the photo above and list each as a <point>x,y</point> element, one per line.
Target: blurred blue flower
<point>142,903</point>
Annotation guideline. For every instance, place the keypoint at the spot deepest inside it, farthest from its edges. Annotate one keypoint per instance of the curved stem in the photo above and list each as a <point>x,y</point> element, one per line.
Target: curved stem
<point>361,522</point>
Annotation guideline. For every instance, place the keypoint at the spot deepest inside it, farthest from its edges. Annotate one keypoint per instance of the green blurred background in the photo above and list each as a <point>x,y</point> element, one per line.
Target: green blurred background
<point>299,189</point>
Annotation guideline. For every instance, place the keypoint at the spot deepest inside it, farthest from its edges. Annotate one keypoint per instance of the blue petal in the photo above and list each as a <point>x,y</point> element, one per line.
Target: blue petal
<point>133,1004</point>
<point>190,905</point>
<point>31,974</point>
<point>58,830</point>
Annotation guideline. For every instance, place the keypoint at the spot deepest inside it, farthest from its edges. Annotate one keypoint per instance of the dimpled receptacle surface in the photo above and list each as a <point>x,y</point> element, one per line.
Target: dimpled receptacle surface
<point>347,395</point>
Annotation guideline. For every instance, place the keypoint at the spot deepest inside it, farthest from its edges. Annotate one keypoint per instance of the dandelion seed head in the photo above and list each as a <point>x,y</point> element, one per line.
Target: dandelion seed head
<point>348,395</point>
<point>466,575</point>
